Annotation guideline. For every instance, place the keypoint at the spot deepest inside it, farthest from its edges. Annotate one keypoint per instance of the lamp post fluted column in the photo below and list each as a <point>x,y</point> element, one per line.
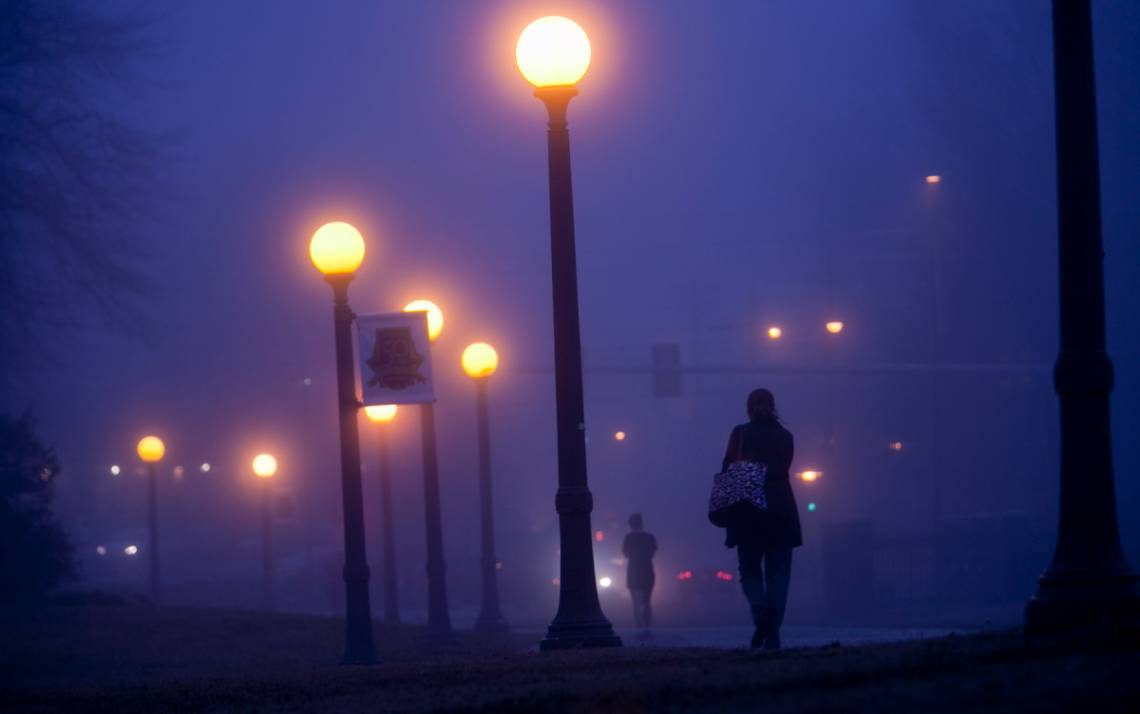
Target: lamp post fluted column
<point>490,618</point>
<point>265,467</point>
<point>1088,581</point>
<point>391,595</point>
<point>579,621</point>
<point>266,549</point>
<point>439,620</point>
<point>151,450</point>
<point>358,645</point>
<point>155,580</point>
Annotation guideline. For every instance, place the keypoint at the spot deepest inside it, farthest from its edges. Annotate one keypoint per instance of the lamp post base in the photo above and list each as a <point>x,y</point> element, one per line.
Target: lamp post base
<point>1066,603</point>
<point>439,639</point>
<point>579,636</point>
<point>492,625</point>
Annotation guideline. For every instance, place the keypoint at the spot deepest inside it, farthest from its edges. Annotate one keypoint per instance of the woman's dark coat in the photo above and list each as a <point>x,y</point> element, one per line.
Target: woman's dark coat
<point>766,441</point>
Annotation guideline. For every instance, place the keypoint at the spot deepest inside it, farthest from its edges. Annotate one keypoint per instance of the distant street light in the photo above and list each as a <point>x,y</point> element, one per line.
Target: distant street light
<point>809,476</point>
<point>775,333</point>
<point>933,179</point>
<point>337,250</point>
<point>619,436</point>
<point>265,467</point>
<point>380,415</point>
<point>439,619</point>
<point>480,360</point>
<point>151,450</point>
<point>553,53</point>
<point>835,326</point>
<point>115,470</point>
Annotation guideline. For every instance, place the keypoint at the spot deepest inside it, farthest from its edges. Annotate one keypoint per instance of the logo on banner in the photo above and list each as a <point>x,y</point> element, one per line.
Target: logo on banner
<point>395,363</point>
<point>394,358</point>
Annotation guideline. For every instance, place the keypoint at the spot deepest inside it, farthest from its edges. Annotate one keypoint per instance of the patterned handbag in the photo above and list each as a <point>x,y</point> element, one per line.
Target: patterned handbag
<point>738,489</point>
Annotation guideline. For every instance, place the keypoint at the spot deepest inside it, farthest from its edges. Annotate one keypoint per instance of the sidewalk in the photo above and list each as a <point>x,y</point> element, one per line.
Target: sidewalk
<point>224,661</point>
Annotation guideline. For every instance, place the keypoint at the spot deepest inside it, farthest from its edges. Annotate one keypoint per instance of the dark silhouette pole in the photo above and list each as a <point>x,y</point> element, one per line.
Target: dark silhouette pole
<point>579,621</point>
<point>439,621</point>
<point>391,602</point>
<point>358,645</point>
<point>152,517</point>
<point>1089,581</point>
<point>266,547</point>
<point>490,615</point>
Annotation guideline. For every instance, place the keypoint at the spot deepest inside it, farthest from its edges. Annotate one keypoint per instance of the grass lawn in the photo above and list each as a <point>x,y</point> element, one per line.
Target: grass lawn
<point>140,659</point>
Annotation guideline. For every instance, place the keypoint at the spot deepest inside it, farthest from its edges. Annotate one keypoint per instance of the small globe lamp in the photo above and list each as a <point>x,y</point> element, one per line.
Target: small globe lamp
<point>434,316</point>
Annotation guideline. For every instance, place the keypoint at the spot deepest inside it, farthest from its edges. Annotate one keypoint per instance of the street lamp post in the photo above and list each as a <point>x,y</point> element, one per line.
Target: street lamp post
<point>264,467</point>
<point>439,630</point>
<point>479,362</point>
<point>381,415</point>
<point>151,450</point>
<point>337,249</point>
<point>1088,580</point>
<point>553,54</point>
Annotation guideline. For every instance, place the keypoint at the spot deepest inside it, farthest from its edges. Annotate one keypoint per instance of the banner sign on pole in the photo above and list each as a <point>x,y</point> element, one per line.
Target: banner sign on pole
<point>395,358</point>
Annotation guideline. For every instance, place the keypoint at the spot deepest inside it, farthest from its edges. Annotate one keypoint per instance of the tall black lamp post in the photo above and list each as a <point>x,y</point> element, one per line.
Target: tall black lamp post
<point>480,360</point>
<point>382,415</point>
<point>1088,582</point>
<point>265,468</point>
<point>337,250</point>
<point>151,450</point>
<point>439,630</point>
<point>553,54</point>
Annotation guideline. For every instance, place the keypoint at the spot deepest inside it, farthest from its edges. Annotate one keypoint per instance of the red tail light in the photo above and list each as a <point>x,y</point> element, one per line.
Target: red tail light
<point>685,575</point>
<point>722,575</point>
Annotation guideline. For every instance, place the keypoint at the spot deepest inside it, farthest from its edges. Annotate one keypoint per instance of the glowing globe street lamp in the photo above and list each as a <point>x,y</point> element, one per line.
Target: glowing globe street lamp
<point>480,362</point>
<point>381,415</point>
<point>337,249</point>
<point>553,53</point>
<point>265,467</point>
<point>151,450</point>
<point>439,620</point>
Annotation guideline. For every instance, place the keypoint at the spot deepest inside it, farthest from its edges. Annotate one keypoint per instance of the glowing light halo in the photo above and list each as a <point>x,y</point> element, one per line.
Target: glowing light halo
<point>264,465</point>
<point>553,51</point>
<point>337,248</point>
<point>380,413</point>
<point>479,360</point>
<point>151,449</point>
<point>434,316</point>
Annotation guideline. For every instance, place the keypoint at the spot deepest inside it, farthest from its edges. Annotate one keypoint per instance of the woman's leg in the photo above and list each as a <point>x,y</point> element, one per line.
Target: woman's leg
<point>635,598</point>
<point>778,566</point>
<point>750,557</point>
<point>648,607</point>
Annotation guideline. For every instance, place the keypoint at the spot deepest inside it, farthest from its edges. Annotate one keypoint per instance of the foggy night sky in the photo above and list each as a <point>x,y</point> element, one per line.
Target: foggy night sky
<point>724,154</point>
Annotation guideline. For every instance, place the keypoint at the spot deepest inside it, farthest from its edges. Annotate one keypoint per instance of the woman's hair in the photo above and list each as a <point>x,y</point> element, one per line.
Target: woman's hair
<point>762,406</point>
<point>635,522</point>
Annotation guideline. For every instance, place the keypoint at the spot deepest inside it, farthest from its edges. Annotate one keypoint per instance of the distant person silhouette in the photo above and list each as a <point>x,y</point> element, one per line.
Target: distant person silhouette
<point>638,548</point>
<point>764,539</point>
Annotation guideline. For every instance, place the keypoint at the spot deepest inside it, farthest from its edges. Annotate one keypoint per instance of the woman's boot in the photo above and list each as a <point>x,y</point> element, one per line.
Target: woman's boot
<point>771,629</point>
<point>762,621</point>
